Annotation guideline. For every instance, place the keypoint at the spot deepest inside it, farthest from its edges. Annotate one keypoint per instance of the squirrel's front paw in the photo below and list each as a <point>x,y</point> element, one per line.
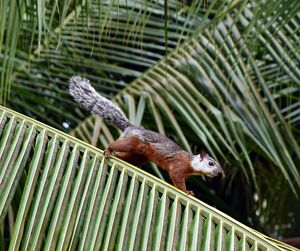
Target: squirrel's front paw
<point>190,193</point>
<point>107,153</point>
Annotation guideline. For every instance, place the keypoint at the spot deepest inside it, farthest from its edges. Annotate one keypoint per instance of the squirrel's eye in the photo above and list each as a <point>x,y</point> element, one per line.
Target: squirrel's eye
<point>211,163</point>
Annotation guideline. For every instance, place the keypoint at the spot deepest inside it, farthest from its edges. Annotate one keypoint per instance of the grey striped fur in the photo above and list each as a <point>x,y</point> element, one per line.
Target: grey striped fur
<point>83,93</point>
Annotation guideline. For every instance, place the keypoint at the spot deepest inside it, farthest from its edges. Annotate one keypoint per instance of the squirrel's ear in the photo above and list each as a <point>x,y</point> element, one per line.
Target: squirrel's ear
<point>202,154</point>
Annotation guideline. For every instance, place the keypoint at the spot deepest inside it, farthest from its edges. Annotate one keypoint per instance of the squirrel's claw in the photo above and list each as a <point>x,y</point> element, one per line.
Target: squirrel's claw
<point>107,153</point>
<point>190,193</point>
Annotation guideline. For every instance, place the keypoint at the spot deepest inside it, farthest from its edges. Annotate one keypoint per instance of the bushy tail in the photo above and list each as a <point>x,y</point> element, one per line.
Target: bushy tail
<point>82,92</point>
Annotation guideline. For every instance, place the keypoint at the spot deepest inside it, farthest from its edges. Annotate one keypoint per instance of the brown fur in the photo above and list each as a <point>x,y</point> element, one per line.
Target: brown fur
<point>135,151</point>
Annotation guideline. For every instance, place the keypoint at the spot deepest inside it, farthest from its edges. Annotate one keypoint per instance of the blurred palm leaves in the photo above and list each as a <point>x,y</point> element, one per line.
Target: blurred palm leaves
<point>115,42</point>
<point>229,82</point>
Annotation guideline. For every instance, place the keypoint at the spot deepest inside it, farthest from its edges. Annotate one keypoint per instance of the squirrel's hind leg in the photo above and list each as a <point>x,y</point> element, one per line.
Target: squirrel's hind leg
<point>127,144</point>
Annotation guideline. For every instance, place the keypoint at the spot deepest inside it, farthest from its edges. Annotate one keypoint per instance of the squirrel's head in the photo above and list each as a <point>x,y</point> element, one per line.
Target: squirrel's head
<point>206,165</point>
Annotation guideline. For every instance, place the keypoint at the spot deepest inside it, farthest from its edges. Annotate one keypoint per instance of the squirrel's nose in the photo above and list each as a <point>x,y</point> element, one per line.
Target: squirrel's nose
<point>221,172</point>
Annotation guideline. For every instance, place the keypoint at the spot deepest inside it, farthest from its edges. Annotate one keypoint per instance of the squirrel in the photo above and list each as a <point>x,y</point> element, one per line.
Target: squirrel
<point>137,145</point>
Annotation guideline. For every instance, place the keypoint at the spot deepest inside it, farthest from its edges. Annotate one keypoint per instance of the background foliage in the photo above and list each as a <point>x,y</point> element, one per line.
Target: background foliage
<point>220,76</point>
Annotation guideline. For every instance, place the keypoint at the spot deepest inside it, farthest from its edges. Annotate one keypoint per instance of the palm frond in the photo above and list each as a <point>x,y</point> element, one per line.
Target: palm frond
<point>71,198</point>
